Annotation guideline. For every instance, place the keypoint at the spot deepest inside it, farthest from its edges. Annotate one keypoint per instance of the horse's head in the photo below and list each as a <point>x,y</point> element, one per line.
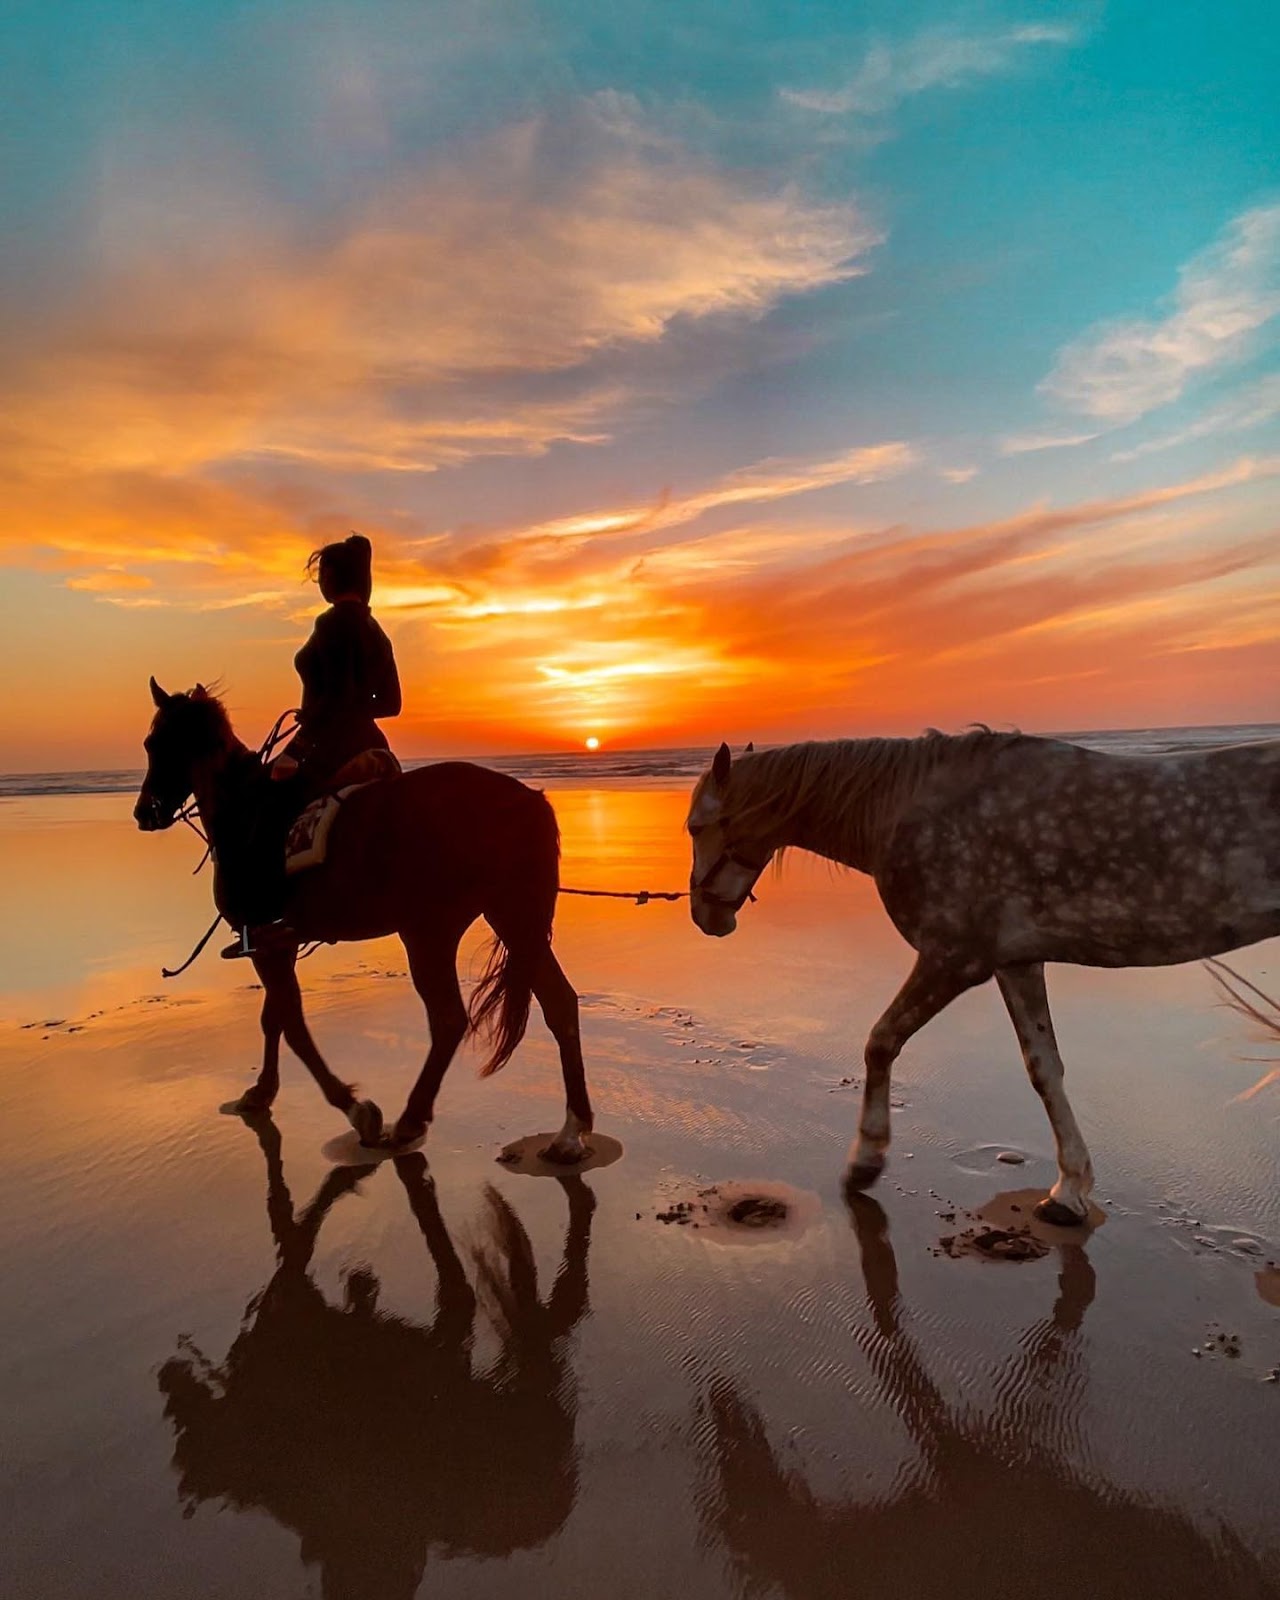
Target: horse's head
<point>186,730</point>
<point>731,847</point>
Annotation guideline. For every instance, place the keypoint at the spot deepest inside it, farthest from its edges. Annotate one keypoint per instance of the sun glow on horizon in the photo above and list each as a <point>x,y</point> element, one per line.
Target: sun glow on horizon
<point>591,742</point>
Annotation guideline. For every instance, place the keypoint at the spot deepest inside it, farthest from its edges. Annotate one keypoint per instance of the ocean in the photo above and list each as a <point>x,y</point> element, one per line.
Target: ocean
<point>657,768</point>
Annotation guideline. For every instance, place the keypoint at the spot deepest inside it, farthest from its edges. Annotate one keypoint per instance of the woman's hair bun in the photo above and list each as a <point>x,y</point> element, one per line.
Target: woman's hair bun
<point>346,566</point>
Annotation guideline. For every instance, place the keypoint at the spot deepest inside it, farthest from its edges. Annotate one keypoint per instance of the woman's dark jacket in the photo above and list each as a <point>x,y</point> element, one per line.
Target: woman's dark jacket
<point>349,679</point>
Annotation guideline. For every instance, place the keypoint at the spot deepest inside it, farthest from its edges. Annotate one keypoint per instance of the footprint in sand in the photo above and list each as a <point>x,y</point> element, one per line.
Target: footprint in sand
<point>1006,1228</point>
<point>746,1212</point>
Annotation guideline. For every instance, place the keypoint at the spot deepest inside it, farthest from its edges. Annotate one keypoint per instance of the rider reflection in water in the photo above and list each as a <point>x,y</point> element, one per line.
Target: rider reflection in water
<point>349,681</point>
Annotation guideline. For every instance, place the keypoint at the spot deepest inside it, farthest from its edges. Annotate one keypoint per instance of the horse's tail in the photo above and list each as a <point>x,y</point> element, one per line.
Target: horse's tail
<point>520,910</point>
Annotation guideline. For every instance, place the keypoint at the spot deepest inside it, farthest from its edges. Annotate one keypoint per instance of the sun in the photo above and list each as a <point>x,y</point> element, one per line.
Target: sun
<point>592,743</point>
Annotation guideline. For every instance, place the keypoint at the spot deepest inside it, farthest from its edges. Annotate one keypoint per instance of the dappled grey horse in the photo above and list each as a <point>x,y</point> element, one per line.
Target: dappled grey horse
<point>994,853</point>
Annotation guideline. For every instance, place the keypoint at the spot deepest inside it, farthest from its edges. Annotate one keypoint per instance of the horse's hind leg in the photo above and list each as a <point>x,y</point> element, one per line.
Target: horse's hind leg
<point>559,1002</point>
<point>1024,994</point>
<point>930,986</point>
<point>433,966</point>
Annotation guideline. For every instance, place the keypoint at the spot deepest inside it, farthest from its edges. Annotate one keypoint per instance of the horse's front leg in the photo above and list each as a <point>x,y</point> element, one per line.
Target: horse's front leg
<point>1028,1002</point>
<point>262,1095</point>
<point>283,1003</point>
<point>931,985</point>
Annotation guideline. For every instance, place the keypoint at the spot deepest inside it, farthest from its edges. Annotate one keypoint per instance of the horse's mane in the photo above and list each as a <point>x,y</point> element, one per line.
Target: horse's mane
<point>850,789</point>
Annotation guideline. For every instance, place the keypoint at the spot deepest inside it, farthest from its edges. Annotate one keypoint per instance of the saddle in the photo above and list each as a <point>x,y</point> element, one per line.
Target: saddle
<point>307,843</point>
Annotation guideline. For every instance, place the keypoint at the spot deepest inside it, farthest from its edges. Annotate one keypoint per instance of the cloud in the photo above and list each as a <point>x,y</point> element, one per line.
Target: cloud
<point>774,625</point>
<point>492,304</point>
<point>1250,407</point>
<point>999,620</point>
<point>958,474</point>
<point>939,59</point>
<point>764,481</point>
<point>1225,298</point>
<point>1024,443</point>
<point>111,582</point>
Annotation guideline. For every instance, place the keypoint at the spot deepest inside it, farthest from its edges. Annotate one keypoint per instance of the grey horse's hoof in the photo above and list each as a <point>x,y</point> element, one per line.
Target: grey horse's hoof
<point>861,1175</point>
<point>561,1157</point>
<point>407,1132</point>
<point>1051,1210</point>
<point>366,1118</point>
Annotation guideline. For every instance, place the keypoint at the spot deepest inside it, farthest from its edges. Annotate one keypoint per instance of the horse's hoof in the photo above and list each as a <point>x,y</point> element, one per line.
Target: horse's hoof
<point>407,1133</point>
<point>861,1175</point>
<point>252,1103</point>
<point>365,1117</point>
<point>1051,1210</point>
<point>564,1155</point>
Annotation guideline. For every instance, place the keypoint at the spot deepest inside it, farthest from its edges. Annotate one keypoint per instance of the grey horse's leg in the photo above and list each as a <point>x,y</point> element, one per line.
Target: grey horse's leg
<point>1024,994</point>
<point>931,985</point>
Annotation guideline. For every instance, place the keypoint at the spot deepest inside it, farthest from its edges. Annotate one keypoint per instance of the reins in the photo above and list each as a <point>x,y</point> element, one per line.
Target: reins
<point>279,733</point>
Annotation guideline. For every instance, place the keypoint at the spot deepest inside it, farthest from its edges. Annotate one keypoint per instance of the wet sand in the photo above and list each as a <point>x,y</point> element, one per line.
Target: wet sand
<point>230,1365</point>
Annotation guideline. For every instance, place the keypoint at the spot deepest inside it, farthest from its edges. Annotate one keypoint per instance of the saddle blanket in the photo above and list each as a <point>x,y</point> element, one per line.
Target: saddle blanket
<point>308,841</point>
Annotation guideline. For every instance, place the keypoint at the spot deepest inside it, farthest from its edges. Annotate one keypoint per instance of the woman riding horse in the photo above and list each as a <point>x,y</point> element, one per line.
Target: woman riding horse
<point>349,681</point>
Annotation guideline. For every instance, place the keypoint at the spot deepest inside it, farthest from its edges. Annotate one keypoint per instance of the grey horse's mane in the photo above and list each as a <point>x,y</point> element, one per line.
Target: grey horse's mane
<point>849,789</point>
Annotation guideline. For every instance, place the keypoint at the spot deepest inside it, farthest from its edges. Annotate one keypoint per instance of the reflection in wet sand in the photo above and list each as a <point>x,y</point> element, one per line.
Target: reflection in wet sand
<point>999,1501</point>
<point>377,1440</point>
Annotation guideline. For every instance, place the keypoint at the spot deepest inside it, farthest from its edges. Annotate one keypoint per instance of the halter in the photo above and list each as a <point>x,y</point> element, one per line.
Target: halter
<point>727,857</point>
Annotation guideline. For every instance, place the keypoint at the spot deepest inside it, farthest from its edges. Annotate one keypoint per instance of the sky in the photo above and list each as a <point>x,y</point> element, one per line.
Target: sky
<point>698,368</point>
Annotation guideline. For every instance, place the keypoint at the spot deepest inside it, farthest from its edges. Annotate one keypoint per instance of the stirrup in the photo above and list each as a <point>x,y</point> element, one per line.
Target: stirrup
<point>240,947</point>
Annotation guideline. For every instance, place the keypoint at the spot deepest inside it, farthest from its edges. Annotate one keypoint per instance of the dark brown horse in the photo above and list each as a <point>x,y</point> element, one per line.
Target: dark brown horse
<point>421,856</point>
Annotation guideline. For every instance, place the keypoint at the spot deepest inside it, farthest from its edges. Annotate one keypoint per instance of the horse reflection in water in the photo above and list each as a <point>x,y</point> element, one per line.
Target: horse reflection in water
<point>994,1504</point>
<point>375,1439</point>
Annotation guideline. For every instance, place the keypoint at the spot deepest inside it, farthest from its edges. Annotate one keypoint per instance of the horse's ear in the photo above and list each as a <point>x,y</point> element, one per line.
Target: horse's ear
<point>720,767</point>
<point>159,696</point>
<point>199,692</point>
<point>751,744</point>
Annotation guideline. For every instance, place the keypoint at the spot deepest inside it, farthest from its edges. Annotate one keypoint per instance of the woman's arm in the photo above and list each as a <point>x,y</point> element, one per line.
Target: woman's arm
<point>386,693</point>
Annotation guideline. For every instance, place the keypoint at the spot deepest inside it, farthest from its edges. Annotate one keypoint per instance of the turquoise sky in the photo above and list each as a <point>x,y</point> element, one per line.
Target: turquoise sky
<point>481,277</point>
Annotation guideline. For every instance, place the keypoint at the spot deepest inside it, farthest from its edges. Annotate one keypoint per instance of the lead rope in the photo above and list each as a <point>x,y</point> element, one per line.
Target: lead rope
<point>641,897</point>
<point>279,733</point>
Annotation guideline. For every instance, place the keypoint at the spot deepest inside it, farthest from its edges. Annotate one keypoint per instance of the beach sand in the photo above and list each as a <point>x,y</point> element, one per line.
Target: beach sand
<point>230,1366</point>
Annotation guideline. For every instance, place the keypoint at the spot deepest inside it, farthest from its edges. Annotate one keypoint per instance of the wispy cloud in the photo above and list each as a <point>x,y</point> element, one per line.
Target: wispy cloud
<point>764,481</point>
<point>1226,297</point>
<point>1019,444</point>
<point>1250,407</point>
<point>823,621</point>
<point>493,305</point>
<point>939,59</point>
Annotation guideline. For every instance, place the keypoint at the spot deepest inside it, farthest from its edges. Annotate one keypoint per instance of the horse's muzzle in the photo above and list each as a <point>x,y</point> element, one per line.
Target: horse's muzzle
<point>713,917</point>
<point>150,817</point>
